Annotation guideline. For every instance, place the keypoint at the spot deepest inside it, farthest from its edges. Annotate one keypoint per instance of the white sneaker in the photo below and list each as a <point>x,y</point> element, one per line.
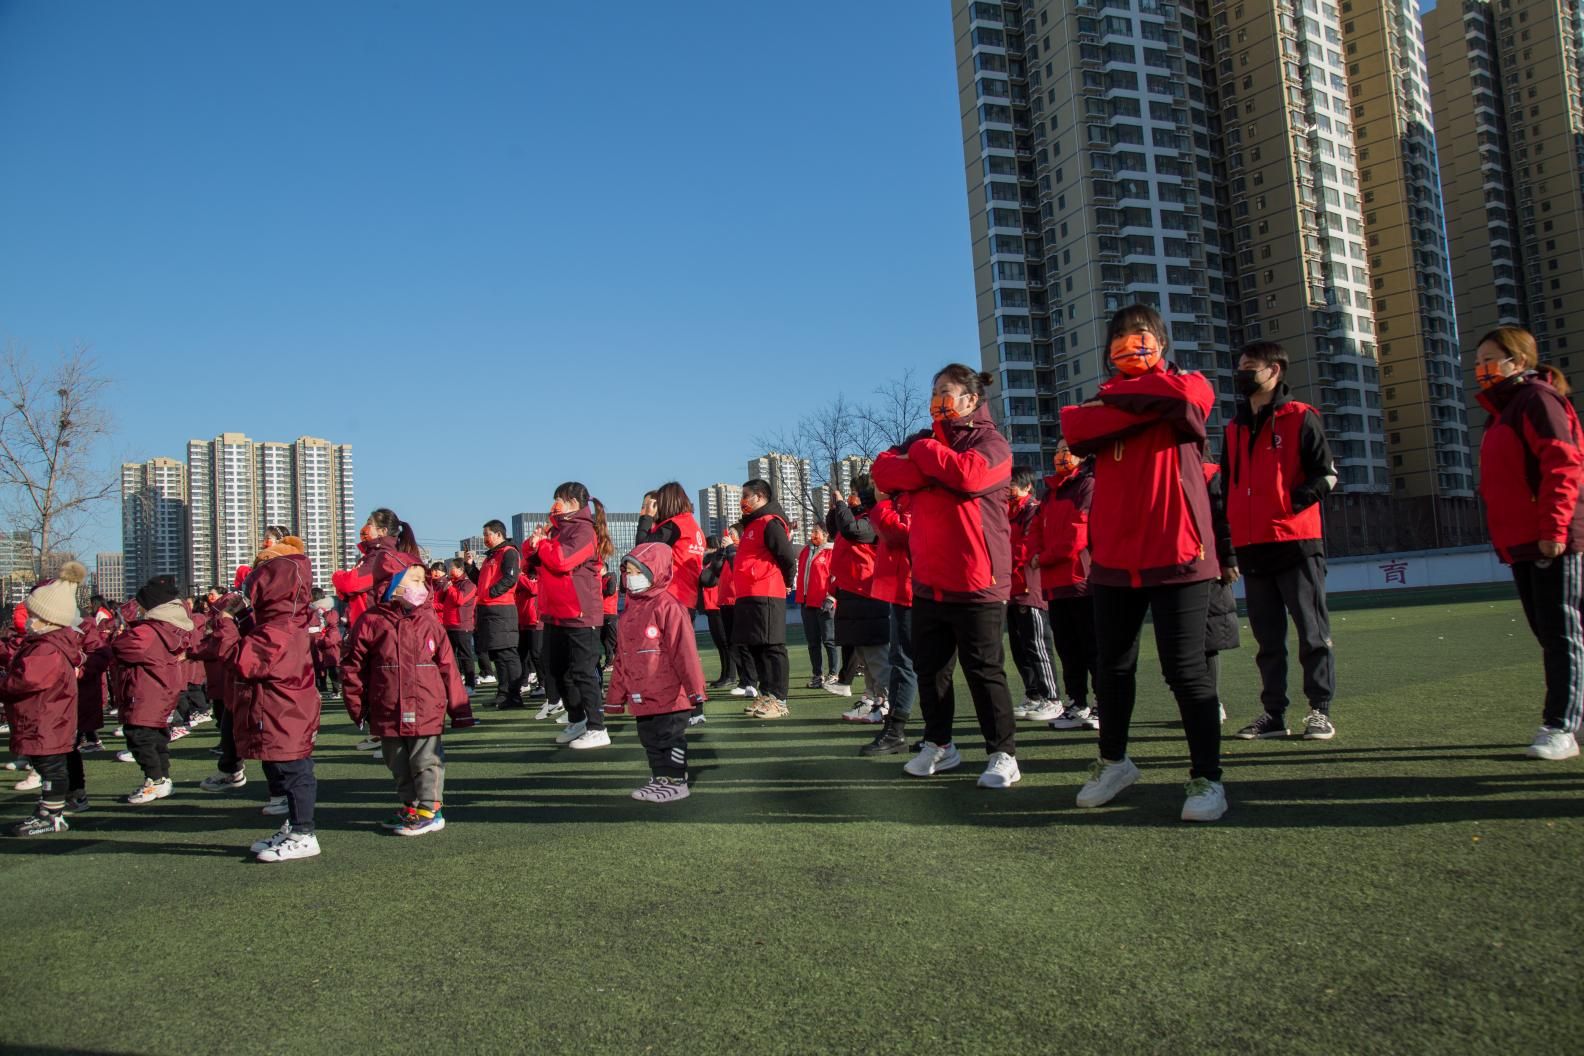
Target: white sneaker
<point>30,782</point>
<point>548,709</point>
<point>1105,781</point>
<point>858,712</point>
<point>739,691</point>
<point>368,744</point>
<point>840,689</point>
<point>561,715</point>
<point>220,781</point>
<point>1549,743</point>
<point>125,757</point>
<point>573,731</point>
<point>276,806</point>
<point>1021,709</point>
<point>487,680</point>
<point>1045,711</point>
<point>591,739</point>
<point>1073,719</point>
<point>878,713</point>
<point>278,836</point>
<point>1002,772</point>
<point>294,846</point>
<point>697,718</point>
<point>1206,800</point>
<point>1223,712</point>
<point>662,790</point>
<point>932,759</point>
<point>150,791</point>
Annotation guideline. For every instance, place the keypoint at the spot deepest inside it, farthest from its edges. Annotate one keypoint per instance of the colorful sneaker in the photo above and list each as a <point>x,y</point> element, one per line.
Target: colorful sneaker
<point>590,739</point>
<point>276,807</point>
<point>295,845</point>
<point>421,823</point>
<point>150,791</point>
<point>198,718</point>
<point>1075,718</point>
<point>278,836</point>
<point>840,689</point>
<point>178,732</point>
<point>1002,772</point>
<point>1045,711</point>
<point>1553,744</point>
<point>662,790</point>
<point>1206,800</point>
<point>1105,781</point>
<point>41,823</point>
<point>770,708</point>
<point>1317,726</point>
<point>33,780</point>
<point>932,759</point>
<point>220,781</point>
<point>77,804</point>
<point>1265,727</point>
<point>400,819</point>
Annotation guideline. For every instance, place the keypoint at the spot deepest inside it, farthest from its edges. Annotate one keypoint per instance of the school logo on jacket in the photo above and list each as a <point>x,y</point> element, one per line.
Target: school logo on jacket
<point>651,632</point>
<point>1276,439</point>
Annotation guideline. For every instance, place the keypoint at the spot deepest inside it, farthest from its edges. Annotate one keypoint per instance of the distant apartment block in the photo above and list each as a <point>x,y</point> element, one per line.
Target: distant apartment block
<point>154,524</point>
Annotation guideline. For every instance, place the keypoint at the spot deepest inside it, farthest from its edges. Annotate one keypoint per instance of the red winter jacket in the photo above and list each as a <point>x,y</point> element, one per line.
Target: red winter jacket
<point>765,559</point>
<point>1023,516</point>
<point>217,673</point>
<point>855,551</point>
<point>460,598</point>
<point>1150,518</point>
<point>610,594</point>
<point>527,601</point>
<point>381,560</point>
<point>657,668</point>
<point>957,476</point>
<point>40,693</point>
<point>326,640</point>
<point>569,571</point>
<point>1531,465</point>
<point>95,665</point>
<point>400,673</point>
<point>1278,468</point>
<point>893,564</point>
<point>727,587</point>
<point>1064,534</point>
<point>813,575</point>
<point>276,716</point>
<point>153,652</point>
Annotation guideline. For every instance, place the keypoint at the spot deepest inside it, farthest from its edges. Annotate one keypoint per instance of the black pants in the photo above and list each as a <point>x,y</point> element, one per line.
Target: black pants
<point>819,627</point>
<point>525,651</point>
<point>1552,593</point>
<point>1179,613</point>
<point>720,637</point>
<point>462,649</point>
<point>188,701</point>
<point>849,665</point>
<point>771,662</point>
<point>326,674</point>
<point>572,658</point>
<point>150,747</point>
<point>1073,627</point>
<point>228,763</point>
<point>608,641</point>
<point>943,635</point>
<point>1030,631</point>
<point>485,666</point>
<point>741,658</point>
<point>1271,597</point>
<point>664,738</point>
<point>296,781</point>
<point>62,774</point>
<point>508,671</point>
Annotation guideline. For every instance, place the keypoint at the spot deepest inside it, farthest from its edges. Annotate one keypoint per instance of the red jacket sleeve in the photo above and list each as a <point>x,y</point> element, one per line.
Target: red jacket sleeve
<point>891,524</point>
<point>965,472</point>
<point>552,556</point>
<point>1550,433</point>
<point>893,472</point>
<point>352,582</point>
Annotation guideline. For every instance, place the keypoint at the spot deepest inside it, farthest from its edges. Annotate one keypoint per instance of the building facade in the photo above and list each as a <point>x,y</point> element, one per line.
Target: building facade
<point>718,506</point>
<point>109,577</point>
<point>154,524</point>
<point>791,484</point>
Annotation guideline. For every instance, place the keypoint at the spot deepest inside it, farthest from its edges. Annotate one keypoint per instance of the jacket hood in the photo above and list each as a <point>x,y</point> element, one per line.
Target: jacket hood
<point>66,640</point>
<point>173,634</point>
<point>173,613</point>
<point>1499,395</point>
<point>769,509</point>
<point>950,429</point>
<point>655,560</point>
<point>582,513</point>
<point>1245,413</point>
<point>281,589</point>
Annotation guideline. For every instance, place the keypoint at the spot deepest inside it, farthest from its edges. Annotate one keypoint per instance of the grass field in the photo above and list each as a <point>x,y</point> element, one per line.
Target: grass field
<point>1411,886</point>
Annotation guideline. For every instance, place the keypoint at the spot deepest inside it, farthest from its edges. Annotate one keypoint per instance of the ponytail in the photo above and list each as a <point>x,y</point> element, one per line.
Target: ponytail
<point>1557,379</point>
<point>604,546</point>
<point>973,381</point>
<point>385,520</point>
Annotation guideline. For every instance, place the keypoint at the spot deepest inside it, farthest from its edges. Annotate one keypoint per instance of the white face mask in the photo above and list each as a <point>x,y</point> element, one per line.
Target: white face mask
<point>637,583</point>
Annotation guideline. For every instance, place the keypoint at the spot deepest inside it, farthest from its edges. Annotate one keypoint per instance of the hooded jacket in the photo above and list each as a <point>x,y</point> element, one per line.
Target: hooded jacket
<point>153,655</point>
<point>95,666</point>
<point>380,561</point>
<point>569,571</point>
<point>855,549</point>
<point>276,704</point>
<point>40,692</point>
<point>1149,524</point>
<point>893,563</point>
<point>1531,466</point>
<point>657,668</point>
<point>1064,534</point>
<point>459,598</point>
<point>957,474</point>
<point>400,673</point>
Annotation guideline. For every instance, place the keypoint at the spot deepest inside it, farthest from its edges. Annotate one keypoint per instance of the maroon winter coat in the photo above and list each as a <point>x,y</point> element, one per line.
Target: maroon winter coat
<point>276,716</point>
<point>207,650</point>
<point>153,656</point>
<point>657,668</point>
<point>91,684</point>
<point>40,693</point>
<point>400,673</point>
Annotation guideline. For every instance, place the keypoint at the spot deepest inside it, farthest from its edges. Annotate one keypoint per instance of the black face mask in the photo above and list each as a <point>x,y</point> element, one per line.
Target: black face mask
<point>1243,381</point>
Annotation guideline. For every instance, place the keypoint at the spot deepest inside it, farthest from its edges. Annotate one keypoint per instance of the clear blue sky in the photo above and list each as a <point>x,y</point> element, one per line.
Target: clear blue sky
<point>492,245</point>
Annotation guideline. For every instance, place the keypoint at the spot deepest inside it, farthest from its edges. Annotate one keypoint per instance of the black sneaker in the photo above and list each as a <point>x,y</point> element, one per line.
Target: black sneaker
<point>814,683</point>
<point>1265,728</point>
<point>891,740</point>
<point>40,824</point>
<point>723,683</point>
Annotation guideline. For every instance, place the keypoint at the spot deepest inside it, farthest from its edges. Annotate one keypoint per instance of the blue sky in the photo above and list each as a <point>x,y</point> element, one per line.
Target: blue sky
<point>493,246</point>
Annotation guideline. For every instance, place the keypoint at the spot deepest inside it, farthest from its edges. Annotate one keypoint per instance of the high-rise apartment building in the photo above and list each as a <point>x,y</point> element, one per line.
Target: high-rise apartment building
<point>1509,114</point>
<point>790,481</point>
<point>154,523</point>
<point>718,506</point>
<point>109,577</point>
<point>843,472</point>
<point>18,571</point>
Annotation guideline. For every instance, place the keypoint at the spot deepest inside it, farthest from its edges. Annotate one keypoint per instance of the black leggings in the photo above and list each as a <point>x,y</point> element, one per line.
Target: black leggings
<point>945,633</point>
<point>572,660</point>
<point>721,639</point>
<point>1179,613</point>
<point>1073,625</point>
<point>62,774</point>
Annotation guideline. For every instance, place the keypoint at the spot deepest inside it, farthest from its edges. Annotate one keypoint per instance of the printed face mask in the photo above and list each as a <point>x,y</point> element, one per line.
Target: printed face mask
<point>366,534</point>
<point>1065,463</point>
<point>557,508</point>
<point>413,595</point>
<point>637,582</point>
<point>943,408</point>
<point>1489,374</point>
<point>1135,354</point>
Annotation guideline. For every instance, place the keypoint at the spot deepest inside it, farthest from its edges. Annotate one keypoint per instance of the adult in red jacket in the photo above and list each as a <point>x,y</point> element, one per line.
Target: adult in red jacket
<point>813,587</point>
<point>657,675</point>
<point>715,583</point>
<point>1063,527</point>
<point>762,574</point>
<point>570,553</point>
<point>276,717</point>
<point>1276,470</point>
<point>1028,620</point>
<point>1153,550</point>
<point>667,517</point>
<point>39,691</point>
<point>496,580</point>
<point>1531,469</point>
<point>401,676</point>
<point>458,614</point>
<point>153,652</point>
<point>388,546</point>
<point>956,477</point>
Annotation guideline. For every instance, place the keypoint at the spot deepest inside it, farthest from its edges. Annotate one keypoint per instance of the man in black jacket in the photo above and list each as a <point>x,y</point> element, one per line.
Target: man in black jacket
<point>497,612</point>
<point>766,562</point>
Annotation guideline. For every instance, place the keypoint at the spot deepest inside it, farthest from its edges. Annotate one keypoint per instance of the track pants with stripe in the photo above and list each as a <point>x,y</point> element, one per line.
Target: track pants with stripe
<point>664,738</point>
<point>1032,647</point>
<point>1552,593</point>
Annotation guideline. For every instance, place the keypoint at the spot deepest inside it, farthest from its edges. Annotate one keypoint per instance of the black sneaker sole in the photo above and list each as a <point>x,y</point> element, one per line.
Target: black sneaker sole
<point>1273,735</point>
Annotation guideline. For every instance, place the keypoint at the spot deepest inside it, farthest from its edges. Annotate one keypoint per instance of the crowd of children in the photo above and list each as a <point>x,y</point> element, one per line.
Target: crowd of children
<point>940,552</point>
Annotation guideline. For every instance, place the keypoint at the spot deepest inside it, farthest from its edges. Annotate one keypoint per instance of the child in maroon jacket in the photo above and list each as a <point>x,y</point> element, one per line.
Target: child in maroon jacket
<point>153,651</point>
<point>657,674</point>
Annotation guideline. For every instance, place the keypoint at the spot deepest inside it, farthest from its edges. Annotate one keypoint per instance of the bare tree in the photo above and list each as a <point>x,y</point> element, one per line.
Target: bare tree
<point>900,409</point>
<point>51,420</point>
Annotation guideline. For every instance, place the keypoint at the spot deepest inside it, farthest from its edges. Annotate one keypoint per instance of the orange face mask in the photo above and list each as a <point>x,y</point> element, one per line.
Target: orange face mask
<point>1065,463</point>
<point>943,408</point>
<point>1487,375</point>
<point>557,508</point>
<point>367,533</point>
<point>1135,354</point>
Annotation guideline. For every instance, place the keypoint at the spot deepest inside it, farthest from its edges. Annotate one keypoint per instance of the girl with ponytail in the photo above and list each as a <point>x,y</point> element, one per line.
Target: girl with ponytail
<point>570,554</point>
<point>388,548</point>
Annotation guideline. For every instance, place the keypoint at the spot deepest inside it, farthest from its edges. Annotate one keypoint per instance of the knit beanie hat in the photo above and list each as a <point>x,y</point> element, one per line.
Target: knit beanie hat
<point>156,592</point>
<point>55,601</point>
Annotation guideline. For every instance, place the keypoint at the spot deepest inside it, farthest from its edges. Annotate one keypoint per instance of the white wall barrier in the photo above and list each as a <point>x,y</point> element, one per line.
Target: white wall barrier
<point>1412,570</point>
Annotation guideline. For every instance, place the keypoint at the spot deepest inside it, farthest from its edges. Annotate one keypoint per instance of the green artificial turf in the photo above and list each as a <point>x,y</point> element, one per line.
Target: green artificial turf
<point>1411,886</point>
